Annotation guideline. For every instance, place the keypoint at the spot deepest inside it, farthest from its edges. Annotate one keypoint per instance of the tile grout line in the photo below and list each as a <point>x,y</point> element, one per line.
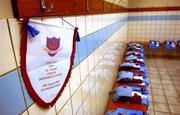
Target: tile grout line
<point>163,87</point>
<point>8,72</point>
<point>71,98</point>
<point>55,109</point>
<point>151,90</point>
<point>15,59</point>
<point>172,81</point>
<point>173,85</point>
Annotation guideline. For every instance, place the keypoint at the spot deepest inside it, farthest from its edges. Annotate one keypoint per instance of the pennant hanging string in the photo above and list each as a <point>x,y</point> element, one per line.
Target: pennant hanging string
<point>63,19</point>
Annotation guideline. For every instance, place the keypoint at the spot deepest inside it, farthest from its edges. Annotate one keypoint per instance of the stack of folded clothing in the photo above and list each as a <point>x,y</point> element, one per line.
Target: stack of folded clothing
<point>170,44</point>
<point>153,44</point>
<point>121,111</point>
<point>131,83</point>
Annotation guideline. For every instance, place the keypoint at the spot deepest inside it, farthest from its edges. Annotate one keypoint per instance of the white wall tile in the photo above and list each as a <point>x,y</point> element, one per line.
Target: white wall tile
<point>81,25</point>
<point>89,25</point>
<point>7,60</point>
<point>84,69</point>
<point>85,88</point>
<point>75,79</point>
<point>64,98</point>
<point>15,27</point>
<point>24,113</point>
<point>36,110</point>
<point>77,100</point>
<point>80,111</point>
<point>66,110</point>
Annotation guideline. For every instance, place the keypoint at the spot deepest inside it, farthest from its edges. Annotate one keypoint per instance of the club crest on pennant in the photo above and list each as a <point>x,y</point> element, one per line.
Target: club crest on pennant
<point>52,46</point>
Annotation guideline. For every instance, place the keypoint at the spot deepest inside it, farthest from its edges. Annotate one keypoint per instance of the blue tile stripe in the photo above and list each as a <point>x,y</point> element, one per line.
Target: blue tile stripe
<point>91,42</point>
<point>147,18</point>
<point>11,97</point>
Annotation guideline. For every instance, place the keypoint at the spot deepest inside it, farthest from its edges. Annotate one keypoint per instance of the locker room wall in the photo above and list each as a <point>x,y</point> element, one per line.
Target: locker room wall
<point>152,3</point>
<point>161,25</point>
<point>88,84</point>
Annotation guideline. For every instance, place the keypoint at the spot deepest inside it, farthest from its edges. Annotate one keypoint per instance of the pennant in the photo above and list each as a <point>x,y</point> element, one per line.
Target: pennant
<point>46,61</point>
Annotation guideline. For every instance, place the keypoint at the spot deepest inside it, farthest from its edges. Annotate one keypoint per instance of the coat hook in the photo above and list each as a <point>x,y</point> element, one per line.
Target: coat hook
<point>46,7</point>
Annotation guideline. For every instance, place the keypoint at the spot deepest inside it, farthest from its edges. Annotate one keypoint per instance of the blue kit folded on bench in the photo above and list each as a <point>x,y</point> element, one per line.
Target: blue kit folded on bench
<point>140,55</point>
<point>130,77</point>
<point>136,49</point>
<point>131,65</point>
<point>153,44</point>
<point>132,94</point>
<point>135,67</point>
<point>144,70</point>
<point>132,57</point>
<point>121,111</point>
<point>145,83</point>
<point>170,44</point>
<point>137,61</point>
<point>127,90</point>
<point>128,64</point>
<point>125,75</point>
<point>135,44</point>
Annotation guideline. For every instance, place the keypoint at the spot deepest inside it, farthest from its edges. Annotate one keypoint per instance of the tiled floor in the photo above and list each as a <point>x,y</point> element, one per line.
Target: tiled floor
<point>164,77</point>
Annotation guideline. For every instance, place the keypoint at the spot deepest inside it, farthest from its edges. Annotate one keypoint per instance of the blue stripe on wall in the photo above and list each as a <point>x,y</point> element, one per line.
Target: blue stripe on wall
<point>11,98</point>
<point>146,18</point>
<point>28,99</point>
<point>91,42</point>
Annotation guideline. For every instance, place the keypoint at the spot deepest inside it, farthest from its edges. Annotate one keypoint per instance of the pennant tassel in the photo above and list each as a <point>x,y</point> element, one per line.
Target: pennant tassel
<point>77,35</point>
<point>31,30</point>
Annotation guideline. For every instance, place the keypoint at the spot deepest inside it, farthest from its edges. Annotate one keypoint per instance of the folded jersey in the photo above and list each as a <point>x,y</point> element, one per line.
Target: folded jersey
<point>134,59</point>
<point>130,77</point>
<point>121,111</point>
<point>153,44</point>
<point>170,44</point>
<point>145,83</point>
<point>137,61</point>
<point>136,49</point>
<point>131,94</point>
<point>135,44</point>
<point>132,65</point>
<point>135,54</point>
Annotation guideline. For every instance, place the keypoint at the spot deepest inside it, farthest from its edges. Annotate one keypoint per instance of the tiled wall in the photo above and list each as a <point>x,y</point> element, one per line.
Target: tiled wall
<point>94,71</point>
<point>152,3</point>
<point>145,26</point>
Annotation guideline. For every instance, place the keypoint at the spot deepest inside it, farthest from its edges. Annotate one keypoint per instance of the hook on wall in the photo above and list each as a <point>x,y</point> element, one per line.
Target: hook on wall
<point>45,7</point>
